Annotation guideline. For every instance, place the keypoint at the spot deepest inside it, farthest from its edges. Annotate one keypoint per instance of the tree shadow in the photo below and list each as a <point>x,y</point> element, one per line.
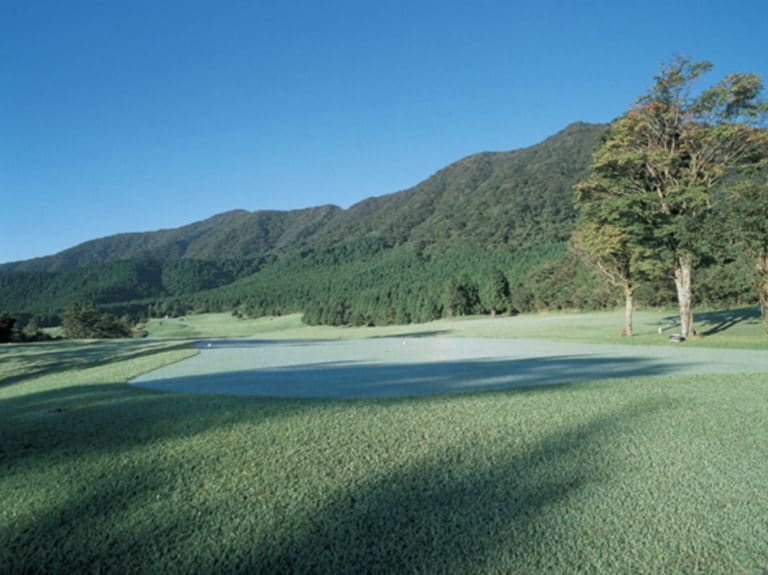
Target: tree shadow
<point>352,379</point>
<point>719,321</point>
<point>441,514</point>
<point>41,359</point>
<point>712,322</point>
<point>438,513</point>
<point>414,335</point>
<point>106,418</point>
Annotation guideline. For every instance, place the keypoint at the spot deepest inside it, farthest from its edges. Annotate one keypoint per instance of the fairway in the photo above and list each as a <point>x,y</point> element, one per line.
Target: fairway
<point>416,366</point>
<point>660,468</point>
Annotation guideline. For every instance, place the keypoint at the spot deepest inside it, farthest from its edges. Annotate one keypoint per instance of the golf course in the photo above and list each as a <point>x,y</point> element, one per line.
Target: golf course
<point>541,442</point>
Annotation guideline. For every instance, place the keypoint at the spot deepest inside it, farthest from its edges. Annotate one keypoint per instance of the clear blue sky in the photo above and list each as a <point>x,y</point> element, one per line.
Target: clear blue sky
<point>126,115</point>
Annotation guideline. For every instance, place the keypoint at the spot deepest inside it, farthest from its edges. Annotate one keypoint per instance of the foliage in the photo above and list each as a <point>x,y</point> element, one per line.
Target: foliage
<point>747,214</point>
<point>461,296</point>
<point>491,217</point>
<point>495,294</point>
<point>484,204</point>
<point>6,327</point>
<point>86,321</point>
<point>662,162</point>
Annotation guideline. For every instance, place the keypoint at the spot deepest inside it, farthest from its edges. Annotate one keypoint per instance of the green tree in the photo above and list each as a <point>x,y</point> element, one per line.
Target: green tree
<point>86,321</point>
<point>461,296</point>
<point>608,240</point>
<point>666,157</point>
<point>6,327</point>
<point>496,292</point>
<point>748,211</point>
<point>31,331</point>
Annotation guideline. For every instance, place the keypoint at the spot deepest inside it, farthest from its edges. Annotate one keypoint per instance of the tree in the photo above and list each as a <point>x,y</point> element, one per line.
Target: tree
<point>496,292</point>
<point>86,321</point>
<point>748,220</point>
<point>665,158</point>
<point>6,327</point>
<point>609,249</point>
<point>461,296</point>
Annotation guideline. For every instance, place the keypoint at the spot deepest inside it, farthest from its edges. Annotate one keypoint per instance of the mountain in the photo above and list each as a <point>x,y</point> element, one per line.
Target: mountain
<point>492,207</point>
<point>231,235</point>
<point>488,200</point>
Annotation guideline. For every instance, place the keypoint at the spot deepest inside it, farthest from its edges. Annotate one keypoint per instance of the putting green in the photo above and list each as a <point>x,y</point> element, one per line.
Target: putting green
<point>393,367</point>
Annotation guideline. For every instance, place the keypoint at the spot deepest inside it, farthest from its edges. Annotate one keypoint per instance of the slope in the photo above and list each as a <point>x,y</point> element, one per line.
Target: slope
<point>485,204</point>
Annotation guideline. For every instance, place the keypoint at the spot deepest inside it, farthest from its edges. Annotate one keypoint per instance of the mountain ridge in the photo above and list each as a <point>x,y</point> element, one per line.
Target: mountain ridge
<point>395,258</point>
<point>434,213</point>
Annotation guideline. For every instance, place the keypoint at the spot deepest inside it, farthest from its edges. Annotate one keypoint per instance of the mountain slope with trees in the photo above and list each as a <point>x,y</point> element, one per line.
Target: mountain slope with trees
<point>487,233</point>
<point>489,200</point>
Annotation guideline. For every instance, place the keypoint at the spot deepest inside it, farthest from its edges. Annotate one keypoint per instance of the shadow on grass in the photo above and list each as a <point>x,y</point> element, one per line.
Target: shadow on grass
<point>245,343</point>
<point>453,512</point>
<point>43,359</point>
<point>105,418</point>
<point>415,334</point>
<point>718,321</point>
<point>460,509</point>
<point>713,322</point>
<point>339,380</point>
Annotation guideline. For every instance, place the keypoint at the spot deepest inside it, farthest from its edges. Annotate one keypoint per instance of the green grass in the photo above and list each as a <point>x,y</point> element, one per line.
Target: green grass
<point>731,328</point>
<point>647,475</point>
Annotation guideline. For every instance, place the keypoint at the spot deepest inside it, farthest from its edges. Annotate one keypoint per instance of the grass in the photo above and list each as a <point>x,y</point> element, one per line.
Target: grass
<point>643,475</point>
<point>730,328</point>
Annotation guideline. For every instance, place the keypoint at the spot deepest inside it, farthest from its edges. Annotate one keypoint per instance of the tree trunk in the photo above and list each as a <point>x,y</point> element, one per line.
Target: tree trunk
<point>629,308</point>
<point>762,290</point>
<point>683,274</point>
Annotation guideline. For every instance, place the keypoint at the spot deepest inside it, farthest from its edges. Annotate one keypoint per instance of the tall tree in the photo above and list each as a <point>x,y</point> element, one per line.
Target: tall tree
<point>607,247</point>
<point>667,155</point>
<point>495,295</point>
<point>748,221</point>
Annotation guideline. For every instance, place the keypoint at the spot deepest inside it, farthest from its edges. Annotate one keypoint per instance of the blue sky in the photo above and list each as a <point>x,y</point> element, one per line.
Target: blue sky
<point>121,116</point>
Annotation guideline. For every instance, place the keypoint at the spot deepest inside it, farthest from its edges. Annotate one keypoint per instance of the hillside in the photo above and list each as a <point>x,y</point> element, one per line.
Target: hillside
<point>488,200</point>
<point>231,235</point>
<point>492,209</point>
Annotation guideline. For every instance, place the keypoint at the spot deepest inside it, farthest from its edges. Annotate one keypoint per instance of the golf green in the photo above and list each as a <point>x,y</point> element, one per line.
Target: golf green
<point>414,366</point>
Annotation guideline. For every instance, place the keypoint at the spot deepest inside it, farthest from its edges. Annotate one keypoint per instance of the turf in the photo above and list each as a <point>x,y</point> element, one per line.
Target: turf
<point>642,475</point>
<point>413,366</point>
<point>728,328</point>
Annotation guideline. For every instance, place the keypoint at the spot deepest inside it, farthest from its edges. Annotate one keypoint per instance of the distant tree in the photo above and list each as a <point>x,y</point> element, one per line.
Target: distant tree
<point>496,292</point>
<point>748,211</point>
<point>6,327</point>
<point>666,157</point>
<point>86,321</point>
<point>32,331</point>
<point>461,296</point>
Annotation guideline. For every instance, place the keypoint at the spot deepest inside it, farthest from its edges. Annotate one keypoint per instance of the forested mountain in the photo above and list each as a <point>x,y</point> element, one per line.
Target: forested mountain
<point>489,222</point>
<point>232,235</point>
<point>489,200</point>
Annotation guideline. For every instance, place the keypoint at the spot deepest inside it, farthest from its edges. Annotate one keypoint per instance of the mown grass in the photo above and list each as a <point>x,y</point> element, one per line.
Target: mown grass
<point>728,328</point>
<point>646,475</point>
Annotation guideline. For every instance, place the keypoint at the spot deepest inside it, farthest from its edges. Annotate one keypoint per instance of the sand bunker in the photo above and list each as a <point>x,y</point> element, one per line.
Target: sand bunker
<point>390,367</point>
